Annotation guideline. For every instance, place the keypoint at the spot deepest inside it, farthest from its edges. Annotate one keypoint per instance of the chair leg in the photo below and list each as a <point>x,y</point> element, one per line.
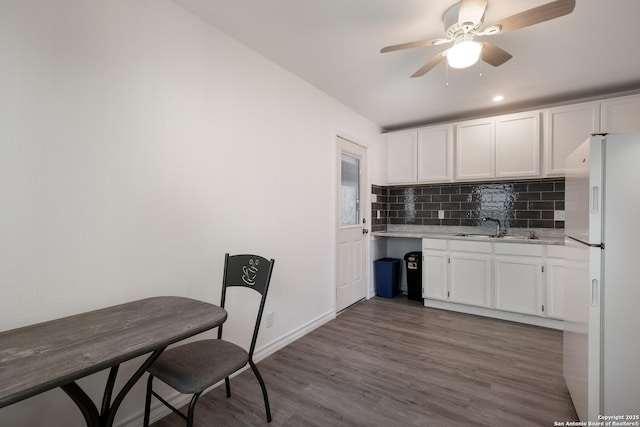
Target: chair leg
<point>228,386</point>
<point>192,407</point>
<point>147,402</point>
<point>264,389</point>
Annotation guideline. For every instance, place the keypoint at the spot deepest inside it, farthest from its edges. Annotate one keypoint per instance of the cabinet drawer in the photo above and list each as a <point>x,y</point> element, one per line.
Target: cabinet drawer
<point>464,246</point>
<point>518,249</point>
<point>438,244</point>
<point>555,251</point>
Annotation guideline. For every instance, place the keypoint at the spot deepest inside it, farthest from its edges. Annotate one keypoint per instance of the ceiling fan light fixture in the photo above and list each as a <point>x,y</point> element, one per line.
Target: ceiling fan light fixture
<point>464,54</point>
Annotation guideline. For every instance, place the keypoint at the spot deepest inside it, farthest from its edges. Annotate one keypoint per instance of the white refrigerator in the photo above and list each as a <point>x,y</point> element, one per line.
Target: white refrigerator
<point>602,282</point>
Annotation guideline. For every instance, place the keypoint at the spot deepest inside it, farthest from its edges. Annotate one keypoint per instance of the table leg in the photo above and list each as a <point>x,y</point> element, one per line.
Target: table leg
<point>108,391</point>
<point>108,416</point>
<point>105,419</point>
<point>86,405</point>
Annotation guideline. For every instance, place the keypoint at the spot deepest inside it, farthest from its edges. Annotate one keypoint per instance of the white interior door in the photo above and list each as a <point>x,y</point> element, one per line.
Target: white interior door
<point>351,280</point>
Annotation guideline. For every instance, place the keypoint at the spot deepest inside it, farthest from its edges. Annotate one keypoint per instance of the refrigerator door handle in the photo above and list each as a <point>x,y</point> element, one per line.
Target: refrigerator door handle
<point>595,199</point>
<point>594,292</point>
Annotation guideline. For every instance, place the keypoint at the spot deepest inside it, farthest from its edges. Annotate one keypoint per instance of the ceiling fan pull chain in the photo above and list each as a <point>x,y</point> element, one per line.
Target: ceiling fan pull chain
<point>446,75</point>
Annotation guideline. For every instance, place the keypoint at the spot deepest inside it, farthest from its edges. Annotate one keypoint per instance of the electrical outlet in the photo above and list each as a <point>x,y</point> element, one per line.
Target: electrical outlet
<point>268,318</point>
<point>558,215</point>
<point>440,214</point>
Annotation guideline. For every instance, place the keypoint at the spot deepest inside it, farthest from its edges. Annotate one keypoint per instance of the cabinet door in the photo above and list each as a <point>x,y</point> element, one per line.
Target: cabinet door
<point>566,128</point>
<point>435,154</point>
<point>434,274</point>
<point>518,145</point>
<point>402,151</point>
<point>518,284</point>
<point>554,284</point>
<point>470,279</point>
<point>475,149</point>
<point>621,114</point>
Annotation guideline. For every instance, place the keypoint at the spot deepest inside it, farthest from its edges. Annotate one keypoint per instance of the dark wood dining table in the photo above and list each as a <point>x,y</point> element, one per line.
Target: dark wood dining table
<point>43,356</point>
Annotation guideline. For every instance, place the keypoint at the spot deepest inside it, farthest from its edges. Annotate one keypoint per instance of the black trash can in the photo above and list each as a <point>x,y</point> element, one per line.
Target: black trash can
<point>387,271</point>
<point>413,262</point>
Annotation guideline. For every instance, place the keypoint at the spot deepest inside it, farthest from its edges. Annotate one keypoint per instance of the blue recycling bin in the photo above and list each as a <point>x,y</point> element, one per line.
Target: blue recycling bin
<point>387,272</point>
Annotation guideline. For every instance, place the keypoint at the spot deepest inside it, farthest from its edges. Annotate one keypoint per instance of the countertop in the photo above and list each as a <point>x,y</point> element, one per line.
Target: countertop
<point>478,234</point>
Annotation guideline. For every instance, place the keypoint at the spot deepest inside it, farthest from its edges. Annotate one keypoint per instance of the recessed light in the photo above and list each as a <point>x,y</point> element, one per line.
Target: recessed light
<point>498,98</point>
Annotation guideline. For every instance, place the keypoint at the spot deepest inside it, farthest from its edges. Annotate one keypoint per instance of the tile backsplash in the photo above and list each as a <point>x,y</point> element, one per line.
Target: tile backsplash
<point>379,207</point>
<point>520,204</point>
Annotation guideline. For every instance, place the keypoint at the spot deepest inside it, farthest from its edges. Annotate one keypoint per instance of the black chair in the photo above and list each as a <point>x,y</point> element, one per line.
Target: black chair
<point>194,367</point>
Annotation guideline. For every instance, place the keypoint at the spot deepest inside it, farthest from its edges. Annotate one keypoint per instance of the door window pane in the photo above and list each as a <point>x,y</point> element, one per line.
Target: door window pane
<point>350,184</point>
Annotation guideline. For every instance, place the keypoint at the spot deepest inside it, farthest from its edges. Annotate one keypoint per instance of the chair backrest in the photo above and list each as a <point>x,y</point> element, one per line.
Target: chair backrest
<point>252,272</point>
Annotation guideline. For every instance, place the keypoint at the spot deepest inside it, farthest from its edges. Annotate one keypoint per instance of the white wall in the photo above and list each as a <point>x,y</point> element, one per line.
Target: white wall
<point>137,146</point>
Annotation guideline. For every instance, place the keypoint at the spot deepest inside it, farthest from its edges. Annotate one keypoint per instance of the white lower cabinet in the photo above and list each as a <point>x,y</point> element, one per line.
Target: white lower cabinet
<point>434,274</point>
<point>516,277</point>
<point>518,284</point>
<point>457,271</point>
<point>554,281</point>
<point>470,279</point>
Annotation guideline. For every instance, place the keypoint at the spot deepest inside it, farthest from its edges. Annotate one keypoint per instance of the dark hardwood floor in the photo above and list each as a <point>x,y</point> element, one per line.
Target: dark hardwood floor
<point>396,363</point>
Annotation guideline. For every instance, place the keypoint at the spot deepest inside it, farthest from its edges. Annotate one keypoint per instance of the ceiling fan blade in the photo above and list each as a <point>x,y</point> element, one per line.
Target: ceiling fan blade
<point>411,45</point>
<point>471,11</point>
<point>493,55</point>
<point>429,65</point>
<point>539,14</point>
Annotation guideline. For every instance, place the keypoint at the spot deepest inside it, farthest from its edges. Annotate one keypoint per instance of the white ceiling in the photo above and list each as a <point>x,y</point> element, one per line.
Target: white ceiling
<point>335,44</point>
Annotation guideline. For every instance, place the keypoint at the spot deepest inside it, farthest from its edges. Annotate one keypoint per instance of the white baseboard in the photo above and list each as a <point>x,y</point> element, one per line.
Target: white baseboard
<point>178,400</point>
<point>497,314</point>
<point>303,330</point>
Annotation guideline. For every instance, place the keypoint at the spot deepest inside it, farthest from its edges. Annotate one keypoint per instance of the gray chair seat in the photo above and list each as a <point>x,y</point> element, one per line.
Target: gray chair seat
<point>189,368</point>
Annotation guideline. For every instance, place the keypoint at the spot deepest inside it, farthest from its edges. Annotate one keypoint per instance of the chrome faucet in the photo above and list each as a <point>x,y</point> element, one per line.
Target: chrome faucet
<point>499,229</point>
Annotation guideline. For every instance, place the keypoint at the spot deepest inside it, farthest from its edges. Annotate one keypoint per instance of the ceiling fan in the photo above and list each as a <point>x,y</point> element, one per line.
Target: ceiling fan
<point>462,23</point>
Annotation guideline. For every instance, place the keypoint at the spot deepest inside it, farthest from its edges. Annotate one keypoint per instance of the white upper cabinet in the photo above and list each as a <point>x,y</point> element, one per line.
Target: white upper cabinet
<point>402,151</point>
<point>502,147</point>
<point>621,114</point>
<point>422,155</point>
<point>566,128</point>
<point>475,147</point>
<point>518,145</point>
<point>505,147</point>
<point>435,154</point>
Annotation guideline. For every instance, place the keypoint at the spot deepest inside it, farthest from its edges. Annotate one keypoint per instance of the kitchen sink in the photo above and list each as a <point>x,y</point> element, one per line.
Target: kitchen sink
<point>518,237</point>
<point>493,236</point>
<point>475,235</point>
